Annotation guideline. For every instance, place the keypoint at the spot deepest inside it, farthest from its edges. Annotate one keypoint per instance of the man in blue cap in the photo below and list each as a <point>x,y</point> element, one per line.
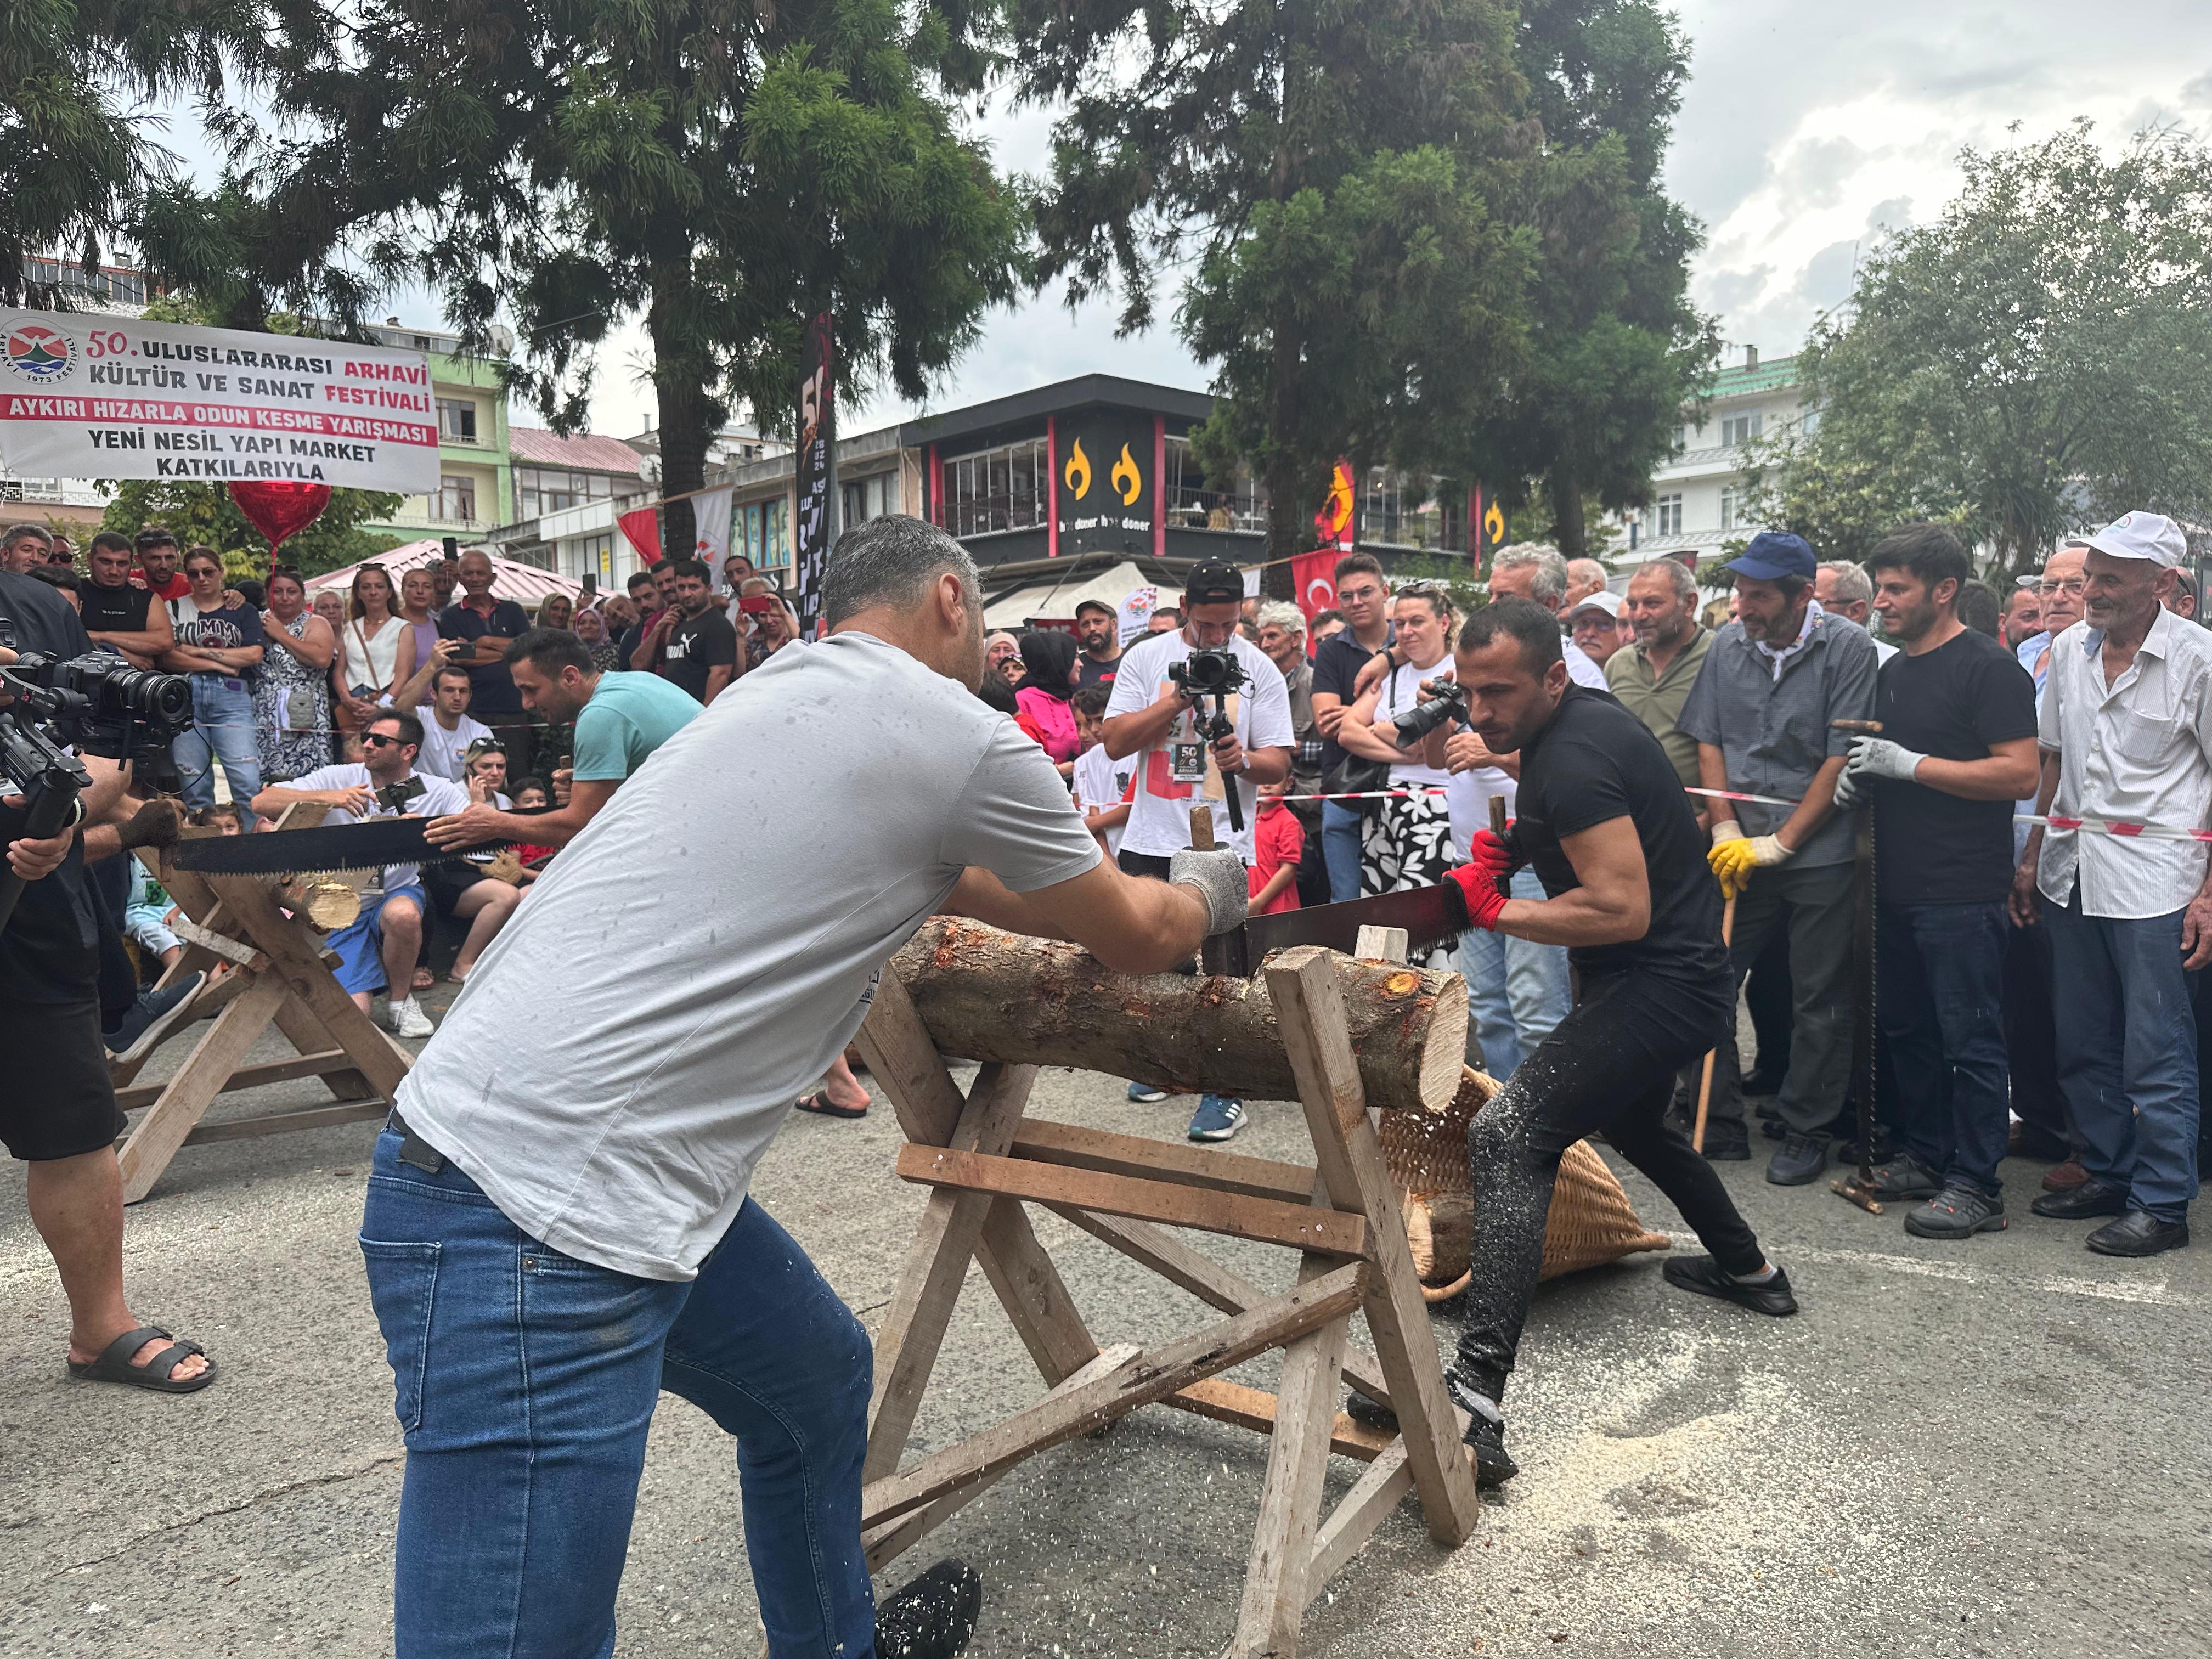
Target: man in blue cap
<point>1760,711</point>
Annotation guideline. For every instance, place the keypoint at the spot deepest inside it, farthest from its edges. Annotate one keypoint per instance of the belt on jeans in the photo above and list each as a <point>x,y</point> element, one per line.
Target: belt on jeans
<point>413,1149</point>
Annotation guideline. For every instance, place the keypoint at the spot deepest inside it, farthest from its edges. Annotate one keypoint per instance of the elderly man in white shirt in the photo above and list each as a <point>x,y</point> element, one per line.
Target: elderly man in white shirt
<point>1531,570</point>
<point>2126,734</point>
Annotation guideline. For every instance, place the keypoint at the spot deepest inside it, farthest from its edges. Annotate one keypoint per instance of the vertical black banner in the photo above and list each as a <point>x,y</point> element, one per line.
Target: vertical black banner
<point>814,520</point>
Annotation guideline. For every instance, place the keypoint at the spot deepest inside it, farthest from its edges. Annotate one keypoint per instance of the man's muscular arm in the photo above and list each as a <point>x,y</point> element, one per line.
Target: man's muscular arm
<point>1613,906</point>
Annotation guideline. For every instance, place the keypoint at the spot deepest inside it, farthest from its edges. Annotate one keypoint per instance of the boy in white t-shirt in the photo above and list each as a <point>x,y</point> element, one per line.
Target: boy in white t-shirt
<point>1103,784</point>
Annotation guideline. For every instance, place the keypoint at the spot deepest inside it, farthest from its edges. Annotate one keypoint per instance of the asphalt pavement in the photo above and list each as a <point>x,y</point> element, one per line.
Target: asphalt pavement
<point>1994,1447</point>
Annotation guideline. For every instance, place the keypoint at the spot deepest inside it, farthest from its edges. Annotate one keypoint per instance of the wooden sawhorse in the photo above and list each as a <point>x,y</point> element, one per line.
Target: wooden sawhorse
<point>282,976</point>
<point>984,1160</point>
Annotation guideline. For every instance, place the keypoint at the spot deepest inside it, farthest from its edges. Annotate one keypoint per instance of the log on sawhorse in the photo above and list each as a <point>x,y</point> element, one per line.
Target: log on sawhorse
<point>984,1162</point>
<point>278,974</point>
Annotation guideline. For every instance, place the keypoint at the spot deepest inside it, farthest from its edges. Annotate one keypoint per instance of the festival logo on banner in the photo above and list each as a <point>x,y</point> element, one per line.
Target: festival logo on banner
<point>1485,526</point>
<point>39,354</point>
<point>1334,519</point>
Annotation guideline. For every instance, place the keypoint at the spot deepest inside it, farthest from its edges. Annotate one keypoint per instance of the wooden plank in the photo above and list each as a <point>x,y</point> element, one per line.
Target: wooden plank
<point>887,1542</point>
<point>1206,1278</point>
<point>188,1094</point>
<point>1079,1148</point>
<point>248,1077</point>
<point>1380,944</point>
<point>1370,1502</point>
<point>936,1266</point>
<point>383,1062</point>
<point>215,943</point>
<point>900,1056</point>
<point>310,1036</point>
<point>1140,1382</point>
<point>299,1117</point>
<point>1224,1402</point>
<point>1303,985</point>
<point>1274,1601</point>
<point>1267,1221</point>
<point>1030,1290</point>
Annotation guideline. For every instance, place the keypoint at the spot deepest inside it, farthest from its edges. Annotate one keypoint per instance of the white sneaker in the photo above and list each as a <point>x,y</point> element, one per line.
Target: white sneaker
<point>408,1019</point>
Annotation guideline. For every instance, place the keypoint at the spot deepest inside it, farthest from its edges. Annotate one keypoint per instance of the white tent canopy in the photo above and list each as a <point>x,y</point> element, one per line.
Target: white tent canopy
<point>1058,599</point>
<point>511,579</point>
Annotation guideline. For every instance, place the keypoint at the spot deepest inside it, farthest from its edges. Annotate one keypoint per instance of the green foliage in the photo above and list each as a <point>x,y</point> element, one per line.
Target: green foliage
<point>196,511</point>
<point>2031,362</point>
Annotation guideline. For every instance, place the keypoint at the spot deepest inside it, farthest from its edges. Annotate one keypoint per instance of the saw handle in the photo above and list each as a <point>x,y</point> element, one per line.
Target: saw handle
<point>1857,728</point>
<point>1201,828</point>
<point>1498,828</point>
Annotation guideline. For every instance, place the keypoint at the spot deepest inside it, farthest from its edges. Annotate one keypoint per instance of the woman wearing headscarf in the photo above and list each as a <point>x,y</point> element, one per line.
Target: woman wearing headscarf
<point>1048,678</point>
<point>592,630</point>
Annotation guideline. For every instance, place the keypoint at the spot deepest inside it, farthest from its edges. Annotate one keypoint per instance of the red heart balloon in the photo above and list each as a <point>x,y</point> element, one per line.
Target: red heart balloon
<point>278,508</point>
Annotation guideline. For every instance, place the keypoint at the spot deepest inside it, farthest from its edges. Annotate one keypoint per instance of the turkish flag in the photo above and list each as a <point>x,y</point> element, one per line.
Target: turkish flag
<point>1314,573</point>
<point>642,526</point>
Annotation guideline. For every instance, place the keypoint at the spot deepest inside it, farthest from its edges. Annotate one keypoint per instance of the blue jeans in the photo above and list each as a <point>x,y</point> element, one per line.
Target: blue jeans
<point>1940,972</point>
<point>221,729</point>
<point>1517,992</point>
<point>2127,1052</point>
<point>525,1382</point>
<point>1342,830</point>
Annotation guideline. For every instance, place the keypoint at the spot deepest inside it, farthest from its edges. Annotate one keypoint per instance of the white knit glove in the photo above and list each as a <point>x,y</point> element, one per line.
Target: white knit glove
<point>1218,878</point>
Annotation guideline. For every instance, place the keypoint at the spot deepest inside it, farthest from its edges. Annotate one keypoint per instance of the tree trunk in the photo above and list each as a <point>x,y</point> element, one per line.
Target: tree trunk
<point>1568,532</point>
<point>989,995</point>
<point>681,376</point>
<point>1284,536</point>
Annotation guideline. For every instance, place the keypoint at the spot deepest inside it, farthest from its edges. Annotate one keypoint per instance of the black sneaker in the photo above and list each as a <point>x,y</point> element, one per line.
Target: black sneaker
<point>1706,1277</point>
<point>1905,1177</point>
<point>1493,1464</point>
<point>2139,1233</point>
<point>1955,1213</point>
<point>1726,1143</point>
<point>153,1019</point>
<point>2092,1198</point>
<point>934,1616</point>
<point>1798,1161</point>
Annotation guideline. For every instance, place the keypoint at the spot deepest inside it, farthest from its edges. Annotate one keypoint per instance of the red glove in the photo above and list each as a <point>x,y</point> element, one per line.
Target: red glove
<point>1477,881</point>
<point>1500,857</point>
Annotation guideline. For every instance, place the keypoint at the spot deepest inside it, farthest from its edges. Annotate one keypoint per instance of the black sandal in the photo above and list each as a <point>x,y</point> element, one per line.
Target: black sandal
<point>114,1365</point>
<point>821,1105</point>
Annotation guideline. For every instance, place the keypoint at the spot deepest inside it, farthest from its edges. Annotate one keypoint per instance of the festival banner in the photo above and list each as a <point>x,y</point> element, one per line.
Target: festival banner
<point>710,514</point>
<point>88,395</point>
<point>1315,576</point>
<point>641,526</point>
<point>814,522</point>
<point>1334,521</point>
<point>1485,526</point>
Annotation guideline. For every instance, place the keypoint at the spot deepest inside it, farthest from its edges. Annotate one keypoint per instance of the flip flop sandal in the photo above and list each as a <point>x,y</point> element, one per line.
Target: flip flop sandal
<point>114,1365</point>
<point>820,1104</point>
<point>423,980</point>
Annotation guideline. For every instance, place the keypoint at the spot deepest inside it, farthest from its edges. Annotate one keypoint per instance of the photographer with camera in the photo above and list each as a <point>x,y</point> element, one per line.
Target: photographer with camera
<point>58,1113</point>
<point>1407,839</point>
<point>1156,714</point>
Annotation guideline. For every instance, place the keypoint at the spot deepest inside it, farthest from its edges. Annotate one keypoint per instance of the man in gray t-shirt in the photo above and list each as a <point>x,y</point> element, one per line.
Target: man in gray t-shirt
<point>558,1226</point>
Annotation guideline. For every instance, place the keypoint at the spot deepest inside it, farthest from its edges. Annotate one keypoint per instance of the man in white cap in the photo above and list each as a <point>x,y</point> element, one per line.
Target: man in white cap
<point>2126,735</point>
<point>1594,623</point>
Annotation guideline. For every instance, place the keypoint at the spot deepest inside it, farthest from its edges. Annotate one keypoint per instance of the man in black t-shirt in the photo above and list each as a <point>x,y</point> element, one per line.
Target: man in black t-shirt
<point>1605,823</point>
<point>701,652</point>
<point>1366,604</point>
<point>1957,750</point>
<point>58,1111</point>
<point>1098,626</point>
<point>118,613</point>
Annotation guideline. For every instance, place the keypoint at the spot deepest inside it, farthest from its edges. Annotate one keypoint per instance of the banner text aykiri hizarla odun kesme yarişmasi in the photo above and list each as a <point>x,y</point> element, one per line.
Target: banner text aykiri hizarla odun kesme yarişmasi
<point>85,395</point>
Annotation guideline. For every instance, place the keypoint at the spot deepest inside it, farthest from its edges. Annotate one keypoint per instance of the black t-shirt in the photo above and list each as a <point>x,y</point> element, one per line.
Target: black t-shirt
<point>50,950</point>
<point>114,609</point>
<point>491,687</point>
<point>1954,702</point>
<point>1595,762</point>
<point>1336,666</point>
<point>1091,671</point>
<point>695,645</point>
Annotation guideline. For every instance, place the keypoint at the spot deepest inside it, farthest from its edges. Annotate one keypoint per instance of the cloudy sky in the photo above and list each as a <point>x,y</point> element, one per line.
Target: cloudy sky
<point>1806,129</point>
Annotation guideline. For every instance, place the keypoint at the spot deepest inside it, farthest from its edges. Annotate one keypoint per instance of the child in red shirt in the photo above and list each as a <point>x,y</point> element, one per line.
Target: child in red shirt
<point>1277,844</point>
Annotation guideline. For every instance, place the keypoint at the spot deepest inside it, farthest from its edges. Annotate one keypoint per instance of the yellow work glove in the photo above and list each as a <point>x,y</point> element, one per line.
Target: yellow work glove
<point>1733,856</point>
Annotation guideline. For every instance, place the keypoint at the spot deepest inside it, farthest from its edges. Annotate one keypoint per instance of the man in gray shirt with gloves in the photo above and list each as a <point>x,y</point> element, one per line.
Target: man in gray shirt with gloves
<point>555,1232</point>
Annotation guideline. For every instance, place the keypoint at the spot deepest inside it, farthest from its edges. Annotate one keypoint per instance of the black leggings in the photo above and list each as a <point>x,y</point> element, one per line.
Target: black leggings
<point>1610,1067</point>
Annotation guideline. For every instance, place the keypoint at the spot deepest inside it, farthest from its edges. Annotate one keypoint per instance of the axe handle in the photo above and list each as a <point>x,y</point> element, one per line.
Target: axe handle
<point>1857,728</point>
<point>1498,829</point>
<point>1201,828</point>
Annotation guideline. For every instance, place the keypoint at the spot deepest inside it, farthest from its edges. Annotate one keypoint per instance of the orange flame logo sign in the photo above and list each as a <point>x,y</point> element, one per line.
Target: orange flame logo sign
<point>1493,525</point>
<point>1076,473</point>
<point>1336,514</point>
<point>1126,479</point>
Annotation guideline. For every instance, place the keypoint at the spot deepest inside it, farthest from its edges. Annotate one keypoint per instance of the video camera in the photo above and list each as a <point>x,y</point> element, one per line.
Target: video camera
<point>1447,705</point>
<point>1214,674</point>
<point>98,703</point>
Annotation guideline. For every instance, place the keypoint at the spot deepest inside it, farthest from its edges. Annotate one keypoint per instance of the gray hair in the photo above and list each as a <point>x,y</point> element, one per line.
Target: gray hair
<point>888,561</point>
<point>1549,564</point>
<point>1281,613</point>
<point>1679,578</point>
<point>1583,569</point>
<point>1852,585</point>
<point>15,533</point>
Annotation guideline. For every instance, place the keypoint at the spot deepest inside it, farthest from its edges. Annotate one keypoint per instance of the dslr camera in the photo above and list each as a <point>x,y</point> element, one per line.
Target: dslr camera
<point>1447,707</point>
<point>99,702</point>
<point>1208,674</point>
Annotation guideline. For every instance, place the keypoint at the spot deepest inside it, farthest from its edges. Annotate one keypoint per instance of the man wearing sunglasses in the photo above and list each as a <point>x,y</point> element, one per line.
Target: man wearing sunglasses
<point>378,948</point>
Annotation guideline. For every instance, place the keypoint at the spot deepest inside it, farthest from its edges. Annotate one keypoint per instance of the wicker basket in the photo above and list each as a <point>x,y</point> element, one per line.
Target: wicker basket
<point>1591,1221</point>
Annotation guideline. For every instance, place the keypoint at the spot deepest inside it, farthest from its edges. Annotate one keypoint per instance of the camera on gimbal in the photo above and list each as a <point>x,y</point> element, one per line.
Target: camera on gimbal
<point>1208,674</point>
<point>1446,705</point>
